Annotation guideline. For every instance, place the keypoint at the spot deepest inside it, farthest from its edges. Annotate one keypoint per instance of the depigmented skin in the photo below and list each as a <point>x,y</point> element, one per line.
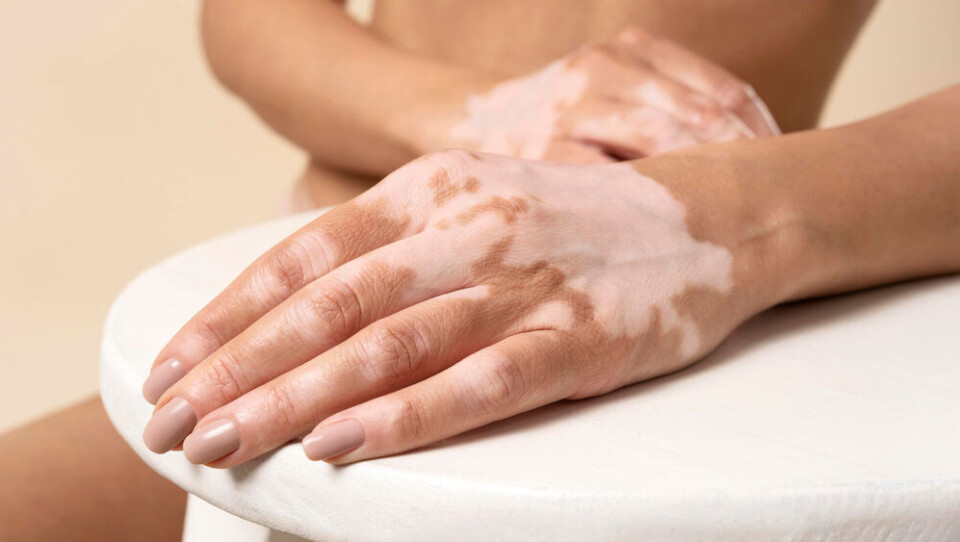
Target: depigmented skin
<point>629,96</point>
<point>612,100</point>
<point>507,283</point>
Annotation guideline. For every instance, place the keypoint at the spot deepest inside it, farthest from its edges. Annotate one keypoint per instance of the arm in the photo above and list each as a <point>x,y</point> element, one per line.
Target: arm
<point>895,214</point>
<point>297,63</point>
<point>69,476</point>
<point>354,103</point>
<point>866,204</point>
<point>466,288</point>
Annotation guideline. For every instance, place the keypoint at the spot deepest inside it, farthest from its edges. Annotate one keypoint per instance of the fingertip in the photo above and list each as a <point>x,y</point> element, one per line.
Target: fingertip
<point>333,440</point>
<point>169,426</point>
<point>161,378</point>
<point>211,441</point>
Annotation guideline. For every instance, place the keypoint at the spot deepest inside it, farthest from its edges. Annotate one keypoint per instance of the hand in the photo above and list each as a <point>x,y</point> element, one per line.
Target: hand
<point>462,289</point>
<point>635,96</point>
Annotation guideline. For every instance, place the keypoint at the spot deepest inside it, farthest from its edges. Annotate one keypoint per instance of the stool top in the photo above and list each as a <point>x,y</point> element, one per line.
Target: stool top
<point>833,419</point>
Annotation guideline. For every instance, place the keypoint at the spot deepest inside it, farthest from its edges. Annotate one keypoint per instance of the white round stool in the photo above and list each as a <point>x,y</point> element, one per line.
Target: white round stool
<point>829,420</point>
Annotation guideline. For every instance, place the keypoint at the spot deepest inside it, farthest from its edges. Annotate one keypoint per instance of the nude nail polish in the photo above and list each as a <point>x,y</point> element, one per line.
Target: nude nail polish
<point>162,377</point>
<point>338,438</point>
<point>170,425</point>
<point>212,441</point>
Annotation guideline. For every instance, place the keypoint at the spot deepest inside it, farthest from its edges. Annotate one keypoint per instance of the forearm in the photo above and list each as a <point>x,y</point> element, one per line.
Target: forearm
<point>838,210</point>
<point>879,200</point>
<point>319,79</point>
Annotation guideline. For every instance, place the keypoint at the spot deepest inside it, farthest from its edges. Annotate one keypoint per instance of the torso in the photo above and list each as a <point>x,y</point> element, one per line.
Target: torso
<point>789,51</point>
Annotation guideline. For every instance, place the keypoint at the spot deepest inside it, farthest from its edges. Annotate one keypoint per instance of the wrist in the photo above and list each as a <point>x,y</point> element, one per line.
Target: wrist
<point>423,122</point>
<point>734,198</point>
<point>828,211</point>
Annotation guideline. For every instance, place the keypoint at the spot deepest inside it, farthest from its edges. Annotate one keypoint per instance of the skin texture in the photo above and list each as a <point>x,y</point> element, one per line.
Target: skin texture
<point>568,282</point>
<point>902,163</point>
<point>635,96</point>
<point>70,476</point>
<point>285,59</point>
<point>802,215</point>
<point>468,287</point>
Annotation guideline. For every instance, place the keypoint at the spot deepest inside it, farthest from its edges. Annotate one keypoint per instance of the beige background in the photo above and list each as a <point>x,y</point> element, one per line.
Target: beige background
<point>117,149</point>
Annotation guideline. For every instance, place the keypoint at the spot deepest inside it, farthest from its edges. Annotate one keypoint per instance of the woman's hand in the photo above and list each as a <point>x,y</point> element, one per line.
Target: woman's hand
<point>463,289</point>
<point>635,96</point>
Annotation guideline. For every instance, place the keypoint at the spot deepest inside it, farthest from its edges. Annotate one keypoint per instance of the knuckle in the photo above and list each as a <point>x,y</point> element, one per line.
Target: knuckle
<point>222,378</point>
<point>717,126</point>
<point>457,161</point>
<point>596,380</point>
<point>591,374</point>
<point>406,420</point>
<point>501,382</point>
<point>735,94</point>
<point>282,406</point>
<point>285,269</point>
<point>337,305</point>
<point>454,155</point>
<point>394,351</point>
<point>709,113</point>
<point>208,326</point>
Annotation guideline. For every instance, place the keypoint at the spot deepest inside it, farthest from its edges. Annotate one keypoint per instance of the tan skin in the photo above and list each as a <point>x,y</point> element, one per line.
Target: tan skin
<point>465,288</point>
<point>430,52</point>
<point>69,476</point>
<point>788,51</point>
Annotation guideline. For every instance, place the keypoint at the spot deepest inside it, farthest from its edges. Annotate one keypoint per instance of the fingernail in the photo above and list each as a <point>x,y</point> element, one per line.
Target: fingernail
<point>212,441</point>
<point>170,425</point>
<point>163,376</point>
<point>332,440</point>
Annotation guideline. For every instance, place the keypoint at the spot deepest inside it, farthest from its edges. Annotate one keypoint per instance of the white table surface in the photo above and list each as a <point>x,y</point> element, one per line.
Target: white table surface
<point>830,420</point>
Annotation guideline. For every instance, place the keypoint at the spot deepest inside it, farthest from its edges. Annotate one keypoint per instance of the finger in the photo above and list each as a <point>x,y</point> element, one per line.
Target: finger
<point>369,221</point>
<point>575,152</point>
<point>640,85</point>
<point>520,373</point>
<point>628,132</point>
<point>702,117</point>
<point>700,75</point>
<point>311,252</point>
<point>390,354</point>
<point>323,314</point>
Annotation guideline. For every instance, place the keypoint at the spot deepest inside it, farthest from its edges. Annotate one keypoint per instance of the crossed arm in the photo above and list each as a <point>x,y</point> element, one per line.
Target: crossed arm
<point>358,104</point>
<point>469,287</point>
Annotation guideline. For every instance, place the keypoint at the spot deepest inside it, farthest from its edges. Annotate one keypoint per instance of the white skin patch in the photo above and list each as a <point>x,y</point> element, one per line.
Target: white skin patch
<point>617,236</point>
<point>485,285</point>
<point>468,287</point>
<point>662,131</point>
<point>519,118</point>
<point>600,104</point>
